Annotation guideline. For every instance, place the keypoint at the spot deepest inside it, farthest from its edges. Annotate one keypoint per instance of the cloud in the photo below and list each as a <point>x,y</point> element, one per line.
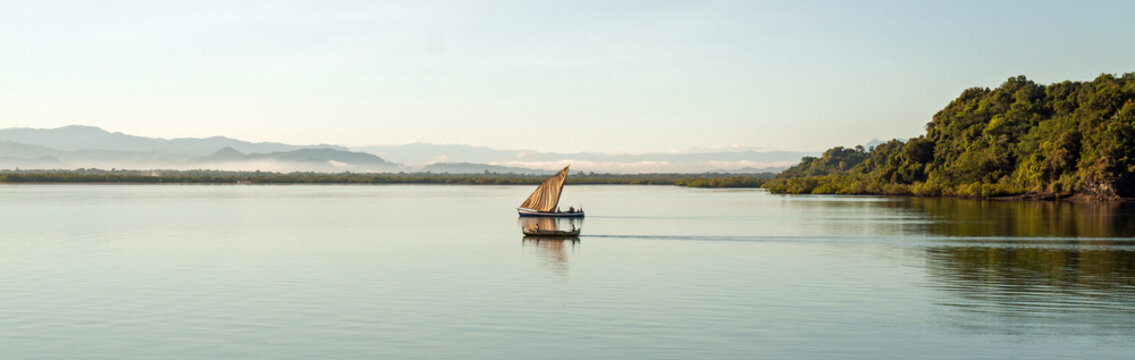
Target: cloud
<point>439,159</point>
<point>631,167</point>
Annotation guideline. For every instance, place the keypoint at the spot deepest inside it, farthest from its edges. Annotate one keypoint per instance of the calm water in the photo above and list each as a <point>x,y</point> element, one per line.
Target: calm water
<point>303,272</point>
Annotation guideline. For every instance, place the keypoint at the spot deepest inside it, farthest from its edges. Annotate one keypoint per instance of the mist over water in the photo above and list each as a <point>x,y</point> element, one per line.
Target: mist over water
<point>659,272</point>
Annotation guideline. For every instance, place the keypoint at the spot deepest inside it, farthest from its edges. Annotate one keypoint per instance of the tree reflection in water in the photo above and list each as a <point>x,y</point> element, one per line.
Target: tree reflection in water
<point>1011,264</point>
<point>970,218</point>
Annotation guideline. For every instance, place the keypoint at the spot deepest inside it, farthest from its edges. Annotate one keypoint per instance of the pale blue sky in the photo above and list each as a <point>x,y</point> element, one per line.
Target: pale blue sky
<point>570,76</point>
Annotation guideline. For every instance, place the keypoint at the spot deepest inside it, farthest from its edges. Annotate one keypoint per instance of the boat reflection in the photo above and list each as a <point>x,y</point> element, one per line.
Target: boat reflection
<point>554,250</point>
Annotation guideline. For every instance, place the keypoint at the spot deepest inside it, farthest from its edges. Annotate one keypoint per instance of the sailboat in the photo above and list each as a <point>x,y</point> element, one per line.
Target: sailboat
<point>544,200</point>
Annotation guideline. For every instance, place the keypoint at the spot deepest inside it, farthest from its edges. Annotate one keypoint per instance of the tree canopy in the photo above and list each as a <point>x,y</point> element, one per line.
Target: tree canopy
<point>1021,137</point>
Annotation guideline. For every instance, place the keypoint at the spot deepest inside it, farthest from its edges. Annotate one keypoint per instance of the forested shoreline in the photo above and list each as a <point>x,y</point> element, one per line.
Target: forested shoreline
<point>1068,139</point>
<point>708,180</point>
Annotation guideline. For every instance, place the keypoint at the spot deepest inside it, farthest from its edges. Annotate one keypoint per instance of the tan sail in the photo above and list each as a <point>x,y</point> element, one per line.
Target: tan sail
<point>547,196</point>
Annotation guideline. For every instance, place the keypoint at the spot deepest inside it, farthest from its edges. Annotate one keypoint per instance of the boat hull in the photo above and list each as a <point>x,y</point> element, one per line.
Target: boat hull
<point>551,233</point>
<point>534,213</point>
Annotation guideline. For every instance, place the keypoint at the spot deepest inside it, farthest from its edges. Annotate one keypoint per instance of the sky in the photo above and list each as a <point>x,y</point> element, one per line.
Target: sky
<point>550,76</point>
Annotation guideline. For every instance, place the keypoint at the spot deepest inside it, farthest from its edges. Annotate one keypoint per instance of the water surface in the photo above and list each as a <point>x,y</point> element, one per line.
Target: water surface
<point>278,272</point>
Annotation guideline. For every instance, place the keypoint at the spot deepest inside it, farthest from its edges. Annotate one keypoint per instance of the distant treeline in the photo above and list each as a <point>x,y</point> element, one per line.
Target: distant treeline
<point>709,180</point>
<point>1020,138</point>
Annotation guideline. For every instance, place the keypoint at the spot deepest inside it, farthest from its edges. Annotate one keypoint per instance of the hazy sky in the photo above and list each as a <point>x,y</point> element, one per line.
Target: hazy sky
<point>569,76</point>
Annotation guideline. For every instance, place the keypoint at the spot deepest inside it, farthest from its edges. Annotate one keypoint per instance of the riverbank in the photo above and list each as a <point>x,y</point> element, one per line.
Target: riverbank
<point>1027,196</point>
<point>845,184</point>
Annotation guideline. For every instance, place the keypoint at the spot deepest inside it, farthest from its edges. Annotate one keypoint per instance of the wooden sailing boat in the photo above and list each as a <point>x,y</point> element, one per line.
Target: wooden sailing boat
<point>544,200</point>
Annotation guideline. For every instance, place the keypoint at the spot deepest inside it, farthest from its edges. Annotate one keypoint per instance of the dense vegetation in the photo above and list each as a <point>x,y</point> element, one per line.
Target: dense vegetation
<point>257,177</point>
<point>1020,138</point>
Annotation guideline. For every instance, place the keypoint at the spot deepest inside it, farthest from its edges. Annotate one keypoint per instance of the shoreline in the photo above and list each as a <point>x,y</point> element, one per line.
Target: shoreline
<point>1035,196</point>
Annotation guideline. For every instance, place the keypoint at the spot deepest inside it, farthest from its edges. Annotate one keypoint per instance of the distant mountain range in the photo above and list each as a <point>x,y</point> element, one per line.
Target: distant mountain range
<point>877,142</point>
<point>78,137</point>
<point>86,146</point>
<point>737,161</point>
<point>308,159</point>
<point>77,146</point>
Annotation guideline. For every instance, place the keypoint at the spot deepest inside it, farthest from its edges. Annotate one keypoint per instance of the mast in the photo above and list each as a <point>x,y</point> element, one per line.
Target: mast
<point>547,195</point>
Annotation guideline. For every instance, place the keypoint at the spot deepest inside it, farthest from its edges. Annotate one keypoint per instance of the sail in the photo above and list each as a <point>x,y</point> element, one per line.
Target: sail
<point>547,196</point>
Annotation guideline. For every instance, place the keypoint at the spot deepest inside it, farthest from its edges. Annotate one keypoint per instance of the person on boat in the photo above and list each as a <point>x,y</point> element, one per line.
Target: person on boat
<point>571,209</point>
